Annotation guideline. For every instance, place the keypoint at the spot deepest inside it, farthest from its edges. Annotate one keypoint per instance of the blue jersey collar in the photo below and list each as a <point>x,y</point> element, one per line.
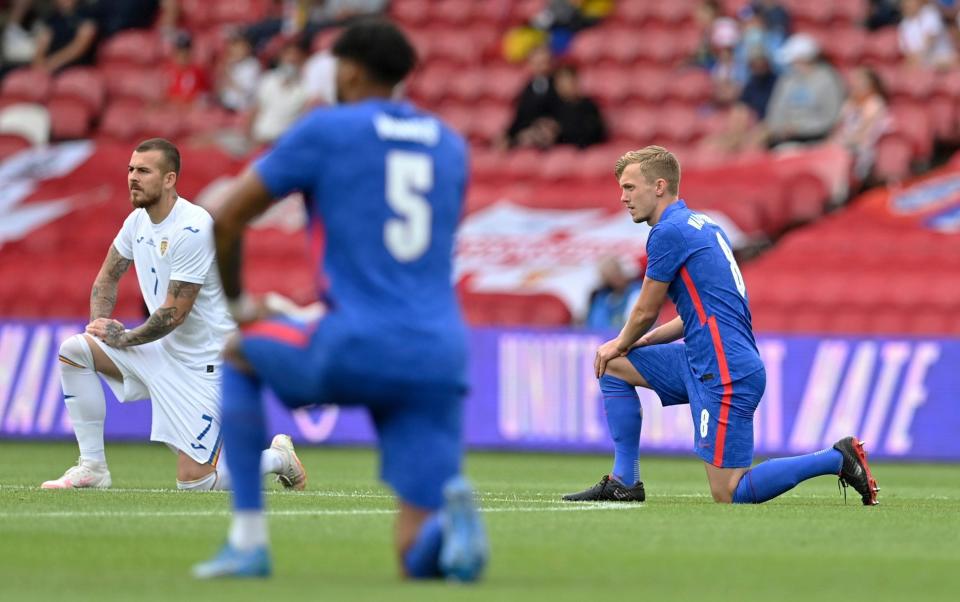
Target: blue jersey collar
<point>677,205</point>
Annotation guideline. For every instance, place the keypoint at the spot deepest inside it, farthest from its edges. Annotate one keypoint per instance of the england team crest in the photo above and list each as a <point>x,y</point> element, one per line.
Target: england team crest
<point>164,243</point>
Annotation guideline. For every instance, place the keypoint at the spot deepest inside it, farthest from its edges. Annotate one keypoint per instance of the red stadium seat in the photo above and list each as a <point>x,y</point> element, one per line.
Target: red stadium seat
<point>452,12</point>
<point>883,47</point>
<point>853,11</point>
<point>845,46</point>
<point>135,84</point>
<point>197,14</point>
<point>893,158</point>
<point>131,47</point>
<point>692,86</point>
<point>122,121</point>
<point>411,13</point>
<point>69,118</point>
<point>226,12</point>
<point>26,85</point>
<point>914,122</point>
<point>81,83</point>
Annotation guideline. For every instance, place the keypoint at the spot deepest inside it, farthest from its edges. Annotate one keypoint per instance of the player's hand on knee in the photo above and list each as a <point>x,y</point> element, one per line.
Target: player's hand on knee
<point>608,351</point>
<point>105,329</point>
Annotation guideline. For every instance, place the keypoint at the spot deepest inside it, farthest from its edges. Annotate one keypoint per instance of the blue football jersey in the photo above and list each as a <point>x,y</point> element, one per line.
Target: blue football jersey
<point>385,182</point>
<point>693,254</point>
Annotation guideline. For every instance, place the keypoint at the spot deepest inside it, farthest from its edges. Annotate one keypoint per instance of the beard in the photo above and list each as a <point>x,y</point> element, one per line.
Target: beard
<point>143,199</point>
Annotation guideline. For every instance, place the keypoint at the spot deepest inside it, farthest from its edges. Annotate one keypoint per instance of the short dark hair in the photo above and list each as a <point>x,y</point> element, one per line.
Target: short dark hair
<point>380,46</point>
<point>171,156</point>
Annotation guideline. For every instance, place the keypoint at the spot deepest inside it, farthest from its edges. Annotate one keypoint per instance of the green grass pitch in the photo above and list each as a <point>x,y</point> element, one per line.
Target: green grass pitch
<point>333,542</point>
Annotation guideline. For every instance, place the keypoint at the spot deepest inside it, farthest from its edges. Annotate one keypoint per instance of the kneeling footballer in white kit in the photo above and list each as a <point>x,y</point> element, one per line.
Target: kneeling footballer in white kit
<point>173,358</point>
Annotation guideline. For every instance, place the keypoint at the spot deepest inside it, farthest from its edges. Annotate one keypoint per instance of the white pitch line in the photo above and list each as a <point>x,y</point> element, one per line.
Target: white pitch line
<point>486,497</point>
<point>285,513</point>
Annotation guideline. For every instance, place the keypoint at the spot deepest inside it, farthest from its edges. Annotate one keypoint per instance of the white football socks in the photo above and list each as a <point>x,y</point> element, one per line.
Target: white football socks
<point>83,396</point>
<point>248,530</point>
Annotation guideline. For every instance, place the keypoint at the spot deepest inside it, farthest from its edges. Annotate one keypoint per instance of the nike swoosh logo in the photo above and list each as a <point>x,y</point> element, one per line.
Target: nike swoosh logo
<point>69,396</point>
<point>194,230</point>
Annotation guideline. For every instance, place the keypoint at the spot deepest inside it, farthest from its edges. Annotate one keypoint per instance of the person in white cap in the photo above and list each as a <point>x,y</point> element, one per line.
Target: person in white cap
<point>806,100</point>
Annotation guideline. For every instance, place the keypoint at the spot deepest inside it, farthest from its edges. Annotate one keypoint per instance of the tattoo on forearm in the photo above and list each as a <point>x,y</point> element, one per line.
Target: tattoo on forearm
<point>163,321</point>
<point>103,295</point>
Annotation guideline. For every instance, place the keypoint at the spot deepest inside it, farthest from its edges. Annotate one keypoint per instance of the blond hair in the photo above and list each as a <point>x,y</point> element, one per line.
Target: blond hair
<point>655,162</point>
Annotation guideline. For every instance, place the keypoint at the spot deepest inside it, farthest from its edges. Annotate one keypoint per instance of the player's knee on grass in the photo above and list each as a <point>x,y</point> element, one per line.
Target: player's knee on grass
<point>189,470</point>
<point>207,483</point>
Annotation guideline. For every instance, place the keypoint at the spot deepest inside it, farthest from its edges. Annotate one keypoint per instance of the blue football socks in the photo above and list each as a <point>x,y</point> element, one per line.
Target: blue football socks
<point>624,418</point>
<point>422,559</point>
<point>244,436</point>
<point>769,479</point>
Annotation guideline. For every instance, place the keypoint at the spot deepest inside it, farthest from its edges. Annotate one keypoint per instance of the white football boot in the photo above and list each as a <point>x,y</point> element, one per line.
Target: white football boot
<point>86,473</point>
<point>291,475</point>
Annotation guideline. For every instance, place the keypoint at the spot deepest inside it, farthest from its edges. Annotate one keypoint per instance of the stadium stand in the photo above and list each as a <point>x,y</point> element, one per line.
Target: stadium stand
<point>647,93</point>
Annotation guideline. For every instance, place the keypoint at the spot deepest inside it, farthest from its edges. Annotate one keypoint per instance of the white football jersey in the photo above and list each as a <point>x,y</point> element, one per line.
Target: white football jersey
<point>180,248</point>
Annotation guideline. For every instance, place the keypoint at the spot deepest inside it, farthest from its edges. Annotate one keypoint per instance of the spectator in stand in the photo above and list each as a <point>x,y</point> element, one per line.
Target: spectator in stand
<point>924,40</point>
<point>67,37</point>
<point>562,19</point>
<point>186,80</point>
<point>806,100</point>
<point>757,36</point>
<point>282,94</point>
<point>238,74</point>
<point>863,120</point>
<point>537,101</point>
<point>320,78</point>
<point>727,78</point>
<point>776,19</point>
<point>760,82</point>
<point>307,17</point>
<point>740,133</point>
<point>117,15</point>
<point>883,13</point>
<point>578,117</point>
<point>705,14</point>
<point>19,45</point>
<point>611,302</point>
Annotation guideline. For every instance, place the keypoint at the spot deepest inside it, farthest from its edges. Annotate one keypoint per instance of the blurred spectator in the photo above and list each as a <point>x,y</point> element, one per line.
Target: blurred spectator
<point>307,17</point>
<point>578,117</point>
<point>740,133</point>
<point>924,40</point>
<point>562,19</point>
<point>806,100</point>
<point>282,94</point>
<point>186,80</point>
<point>238,74</point>
<point>611,302</point>
<point>536,101</point>
<point>863,120</point>
<point>727,78</point>
<point>883,13</point>
<point>776,19</point>
<point>19,45</point>
<point>320,78</point>
<point>340,11</point>
<point>705,14</point>
<point>760,82</point>
<point>757,37</point>
<point>117,15</point>
<point>67,37</point>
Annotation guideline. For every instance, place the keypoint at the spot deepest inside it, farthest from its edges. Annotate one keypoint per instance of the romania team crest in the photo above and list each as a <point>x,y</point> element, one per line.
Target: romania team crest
<point>164,243</point>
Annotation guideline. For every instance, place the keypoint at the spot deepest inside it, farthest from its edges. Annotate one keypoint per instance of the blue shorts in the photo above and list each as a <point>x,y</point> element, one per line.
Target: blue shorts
<point>419,426</point>
<point>722,423</point>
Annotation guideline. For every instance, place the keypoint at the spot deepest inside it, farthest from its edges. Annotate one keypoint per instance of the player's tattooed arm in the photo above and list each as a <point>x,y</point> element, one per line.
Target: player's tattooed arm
<point>103,296</point>
<point>180,298</point>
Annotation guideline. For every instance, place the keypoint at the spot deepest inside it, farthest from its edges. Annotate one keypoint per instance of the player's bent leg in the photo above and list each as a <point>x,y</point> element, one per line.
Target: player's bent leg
<point>723,482</point>
<point>450,542</point>
<point>86,405</point>
<point>621,368</point>
<point>194,476</point>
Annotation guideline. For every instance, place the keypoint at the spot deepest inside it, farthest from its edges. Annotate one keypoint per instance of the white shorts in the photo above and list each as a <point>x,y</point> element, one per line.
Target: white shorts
<point>186,401</point>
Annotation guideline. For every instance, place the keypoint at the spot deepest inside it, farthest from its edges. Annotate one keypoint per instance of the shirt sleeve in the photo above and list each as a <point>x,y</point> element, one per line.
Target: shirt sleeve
<point>123,242</point>
<point>295,161</point>
<point>192,253</point>
<point>666,253</point>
